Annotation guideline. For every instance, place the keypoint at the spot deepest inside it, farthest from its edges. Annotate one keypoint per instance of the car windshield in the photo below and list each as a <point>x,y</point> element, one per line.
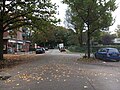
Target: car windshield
<point>102,50</point>
<point>113,50</point>
<point>39,49</point>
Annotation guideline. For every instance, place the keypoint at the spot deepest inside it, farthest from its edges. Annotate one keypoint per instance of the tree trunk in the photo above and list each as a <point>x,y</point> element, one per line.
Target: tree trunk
<point>2,31</point>
<point>1,45</point>
<point>88,41</point>
<point>80,40</point>
<point>81,37</point>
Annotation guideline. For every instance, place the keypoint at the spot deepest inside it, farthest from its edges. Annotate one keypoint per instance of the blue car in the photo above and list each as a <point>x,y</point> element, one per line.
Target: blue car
<point>108,54</point>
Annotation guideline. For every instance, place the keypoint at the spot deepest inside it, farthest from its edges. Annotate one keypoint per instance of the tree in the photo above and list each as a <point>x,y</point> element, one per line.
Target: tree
<point>72,38</point>
<point>95,14</point>
<point>51,35</point>
<point>44,35</point>
<point>76,23</point>
<point>107,38</point>
<point>18,13</point>
<point>118,31</point>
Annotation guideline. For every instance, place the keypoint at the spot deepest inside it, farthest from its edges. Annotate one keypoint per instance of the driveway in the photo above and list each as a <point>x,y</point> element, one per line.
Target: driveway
<point>56,70</point>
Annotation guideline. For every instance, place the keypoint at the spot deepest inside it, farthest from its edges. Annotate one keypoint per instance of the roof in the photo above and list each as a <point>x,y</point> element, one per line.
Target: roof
<point>109,48</point>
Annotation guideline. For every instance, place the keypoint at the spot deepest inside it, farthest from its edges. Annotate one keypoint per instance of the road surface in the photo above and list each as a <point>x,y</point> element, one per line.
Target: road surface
<point>56,70</point>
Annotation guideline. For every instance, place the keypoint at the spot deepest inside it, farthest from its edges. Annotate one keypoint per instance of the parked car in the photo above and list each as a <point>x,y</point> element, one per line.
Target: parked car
<point>40,50</point>
<point>51,47</point>
<point>46,48</point>
<point>62,49</point>
<point>108,54</point>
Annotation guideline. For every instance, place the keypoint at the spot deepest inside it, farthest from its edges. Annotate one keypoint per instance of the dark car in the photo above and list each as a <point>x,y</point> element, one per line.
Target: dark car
<point>62,49</point>
<point>51,47</point>
<point>46,48</point>
<point>108,54</point>
<point>40,50</point>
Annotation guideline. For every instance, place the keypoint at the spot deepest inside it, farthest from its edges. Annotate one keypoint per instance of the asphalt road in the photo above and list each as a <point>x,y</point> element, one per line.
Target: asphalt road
<point>61,71</point>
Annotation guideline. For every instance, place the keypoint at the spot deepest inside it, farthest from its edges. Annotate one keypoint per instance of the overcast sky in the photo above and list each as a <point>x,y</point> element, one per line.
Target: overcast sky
<point>116,14</point>
<point>62,8</point>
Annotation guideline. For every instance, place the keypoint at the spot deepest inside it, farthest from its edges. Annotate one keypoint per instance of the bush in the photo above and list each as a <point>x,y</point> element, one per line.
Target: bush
<point>77,49</point>
<point>95,48</point>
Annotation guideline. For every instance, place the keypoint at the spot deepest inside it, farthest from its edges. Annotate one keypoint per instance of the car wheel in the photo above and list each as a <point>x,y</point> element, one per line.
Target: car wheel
<point>117,60</point>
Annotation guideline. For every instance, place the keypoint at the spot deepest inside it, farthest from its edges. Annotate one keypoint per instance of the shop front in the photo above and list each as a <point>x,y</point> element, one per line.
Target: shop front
<point>12,46</point>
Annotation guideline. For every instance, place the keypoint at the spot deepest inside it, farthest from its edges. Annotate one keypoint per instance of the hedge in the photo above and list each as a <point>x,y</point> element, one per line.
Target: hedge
<point>83,49</point>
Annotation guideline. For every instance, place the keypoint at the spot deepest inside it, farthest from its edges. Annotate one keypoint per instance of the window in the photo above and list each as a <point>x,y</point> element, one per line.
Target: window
<point>113,50</point>
<point>102,50</point>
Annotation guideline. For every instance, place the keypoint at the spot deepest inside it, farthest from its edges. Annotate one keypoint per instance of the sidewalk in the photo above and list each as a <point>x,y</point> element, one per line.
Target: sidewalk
<point>81,54</point>
<point>12,60</point>
<point>31,52</point>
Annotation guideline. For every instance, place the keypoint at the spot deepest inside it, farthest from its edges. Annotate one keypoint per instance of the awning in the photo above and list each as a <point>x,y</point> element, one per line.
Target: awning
<point>20,42</point>
<point>13,41</point>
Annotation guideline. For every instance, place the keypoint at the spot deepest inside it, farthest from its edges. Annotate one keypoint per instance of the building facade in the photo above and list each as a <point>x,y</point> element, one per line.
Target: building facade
<point>16,41</point>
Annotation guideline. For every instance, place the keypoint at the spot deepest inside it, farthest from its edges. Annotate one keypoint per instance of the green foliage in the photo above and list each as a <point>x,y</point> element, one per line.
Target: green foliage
<point>15,14</point>
<point>51,34</point>
<point>107,38</point>
<point>96,13</point>
<point>75,21</point>
<point>77,49</point>
<point>118,31</point>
